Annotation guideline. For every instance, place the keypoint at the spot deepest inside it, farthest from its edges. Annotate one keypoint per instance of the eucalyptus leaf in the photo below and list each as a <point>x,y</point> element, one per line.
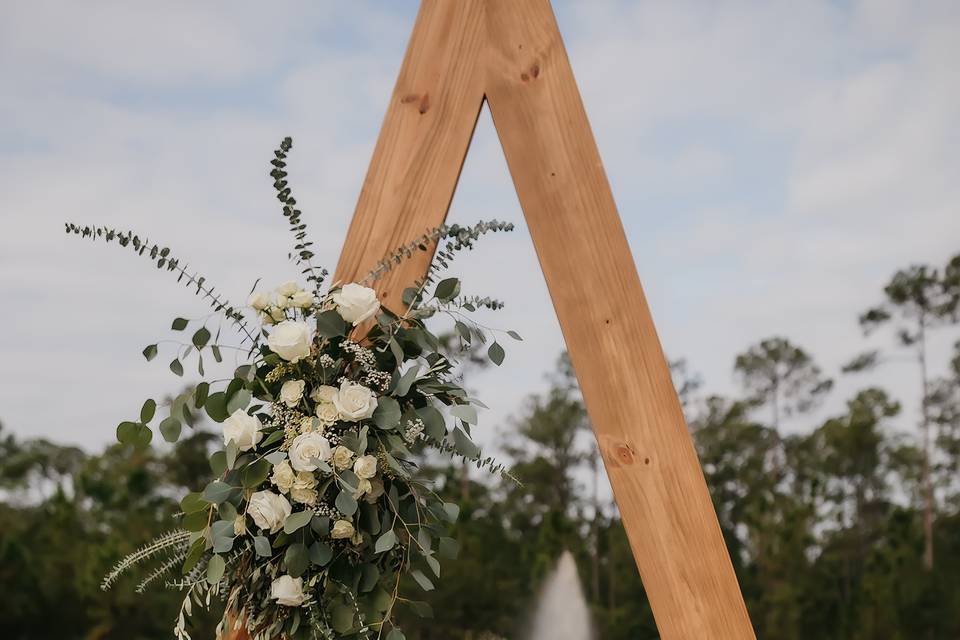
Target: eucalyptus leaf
<point>215,569</point>
<point>201,337</point>
<point>148,410</point>
<point>296,559</point>
<point>447,289</point>
<point>217,491</point>
<point>330,324</point>
<point>150,352</point>
<point>176,367</point>
<point>387,413</point>
<point>465,412</point>
<point>296,521</point>
<point>421,580</point>
<point>262,546</point>
<point>495,353</point>
<point>385,542</point>
<point>170,429</point>
<point>320,553</point>
<point>346,503</point>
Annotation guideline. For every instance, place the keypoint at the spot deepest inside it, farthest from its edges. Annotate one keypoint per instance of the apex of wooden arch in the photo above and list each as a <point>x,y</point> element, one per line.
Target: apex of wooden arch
<point>510,53</point>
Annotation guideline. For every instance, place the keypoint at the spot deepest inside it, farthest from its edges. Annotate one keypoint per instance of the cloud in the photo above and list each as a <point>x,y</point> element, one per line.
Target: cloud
<point>773,163</point>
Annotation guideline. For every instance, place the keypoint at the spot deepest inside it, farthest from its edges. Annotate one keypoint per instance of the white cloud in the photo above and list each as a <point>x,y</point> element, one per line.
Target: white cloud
<point>774,162</point>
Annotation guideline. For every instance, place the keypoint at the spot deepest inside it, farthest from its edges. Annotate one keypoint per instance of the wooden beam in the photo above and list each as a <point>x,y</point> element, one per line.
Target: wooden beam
<point>511,51</point>
<point>422,144</point>
<point>626,383</point>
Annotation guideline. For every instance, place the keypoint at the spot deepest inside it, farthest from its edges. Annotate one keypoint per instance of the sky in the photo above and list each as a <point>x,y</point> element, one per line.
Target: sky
<point>773,162</point>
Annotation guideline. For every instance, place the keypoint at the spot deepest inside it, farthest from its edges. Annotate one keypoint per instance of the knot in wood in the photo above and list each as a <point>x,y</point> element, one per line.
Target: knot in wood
<point>621,454</point>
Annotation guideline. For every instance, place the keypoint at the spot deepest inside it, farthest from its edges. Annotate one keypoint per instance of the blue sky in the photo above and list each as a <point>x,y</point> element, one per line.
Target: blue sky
<point>773,163</point>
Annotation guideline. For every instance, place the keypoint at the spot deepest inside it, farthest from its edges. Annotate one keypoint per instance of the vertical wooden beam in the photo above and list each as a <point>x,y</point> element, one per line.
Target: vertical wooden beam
<point>624,377</point>
<point>422,144</point>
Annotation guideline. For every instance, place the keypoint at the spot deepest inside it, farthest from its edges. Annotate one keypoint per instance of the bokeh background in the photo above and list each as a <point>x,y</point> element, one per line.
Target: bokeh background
<point>775,163</point>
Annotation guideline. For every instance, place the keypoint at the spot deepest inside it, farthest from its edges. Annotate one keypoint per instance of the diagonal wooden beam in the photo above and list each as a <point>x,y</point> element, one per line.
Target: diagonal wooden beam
<point>423,143</point>
<point>511,51</point>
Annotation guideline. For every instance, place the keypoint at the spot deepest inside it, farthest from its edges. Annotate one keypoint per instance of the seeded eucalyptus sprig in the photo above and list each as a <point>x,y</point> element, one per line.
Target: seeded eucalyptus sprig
<point>456,237</point>
<point>297,226</point>
<point>162,257</point>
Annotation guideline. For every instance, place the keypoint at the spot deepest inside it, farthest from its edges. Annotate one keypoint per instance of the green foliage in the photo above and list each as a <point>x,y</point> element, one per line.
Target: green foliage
<point>303,253</point>
<point>164,259</point>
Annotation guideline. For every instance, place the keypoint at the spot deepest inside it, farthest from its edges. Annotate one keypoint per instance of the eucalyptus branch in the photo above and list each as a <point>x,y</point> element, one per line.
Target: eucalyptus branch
<point>292,214</point>
<point>162,257</point>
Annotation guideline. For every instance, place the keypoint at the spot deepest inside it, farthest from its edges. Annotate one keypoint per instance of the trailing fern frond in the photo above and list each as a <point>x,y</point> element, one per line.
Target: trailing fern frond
<point>173,541</point>
<point>168,565</point>
<point>162,257</point>
<point>302,247</point>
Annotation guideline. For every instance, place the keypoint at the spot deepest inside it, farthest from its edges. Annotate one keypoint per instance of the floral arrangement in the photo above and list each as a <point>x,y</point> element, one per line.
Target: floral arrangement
<point>315,510</point>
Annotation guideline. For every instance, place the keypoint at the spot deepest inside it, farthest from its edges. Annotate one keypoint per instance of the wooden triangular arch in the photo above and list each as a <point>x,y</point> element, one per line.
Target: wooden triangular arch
<point>510,53</point>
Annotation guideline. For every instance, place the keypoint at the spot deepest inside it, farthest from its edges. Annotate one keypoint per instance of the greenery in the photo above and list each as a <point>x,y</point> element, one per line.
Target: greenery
<point>316,507</point>
<point>825,524</point>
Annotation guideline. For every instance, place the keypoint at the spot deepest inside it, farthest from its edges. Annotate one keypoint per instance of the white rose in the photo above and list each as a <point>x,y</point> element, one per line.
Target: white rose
<point>290,340</point>
<point>272,315</point>
<point>354,401</point>
<point>323,393</point>
<point>365,467</point>
<point>341,529</point>
<point>327,413</point>
<point>268,510</point>
<point>242,429</point>
<point>305,448</point>
<point>375,491</point>
<point>259,301</point>
<point>342,457</point>
<point>239,525</point>
<point>302,299</point>
<point>288,288</point>
<point>303,490</point>
<point>288,591</point>
<point>283,476</point>
<point>283,302</point>
<point>356,303</point>
<point>291,392</point>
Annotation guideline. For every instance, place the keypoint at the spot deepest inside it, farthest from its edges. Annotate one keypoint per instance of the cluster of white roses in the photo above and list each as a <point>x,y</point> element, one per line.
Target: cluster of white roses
<point>273,308</point>
<point>309,452</point>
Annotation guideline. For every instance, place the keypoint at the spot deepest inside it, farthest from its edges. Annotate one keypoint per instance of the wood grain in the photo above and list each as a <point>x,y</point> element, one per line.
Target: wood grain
<point>510,51</point>
<point>422,145</point>
<point>624,377</point>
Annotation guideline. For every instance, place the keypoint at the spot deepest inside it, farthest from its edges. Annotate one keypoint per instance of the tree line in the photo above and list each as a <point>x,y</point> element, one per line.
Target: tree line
<point>845,528</point>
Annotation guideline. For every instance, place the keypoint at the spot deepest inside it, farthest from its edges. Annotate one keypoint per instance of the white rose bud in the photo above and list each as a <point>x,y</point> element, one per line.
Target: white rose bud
<point>259,301</point>
<point>365,467</point>
<point>342,529</point>
<point>354,401</point>
<point>290,340</point>
<point>288,591</point>
<point>268,510</point>
<point>302,299</point>
<point>342,457</point>
<point>327,413</point>
<point>291,392</point>
<point>303,490</point>
<point>288,288</point>
<point>323,393</point>
<point>356,303</point>
<point>243,430</point>
<point>305,448</point>
<point>283,476</point>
